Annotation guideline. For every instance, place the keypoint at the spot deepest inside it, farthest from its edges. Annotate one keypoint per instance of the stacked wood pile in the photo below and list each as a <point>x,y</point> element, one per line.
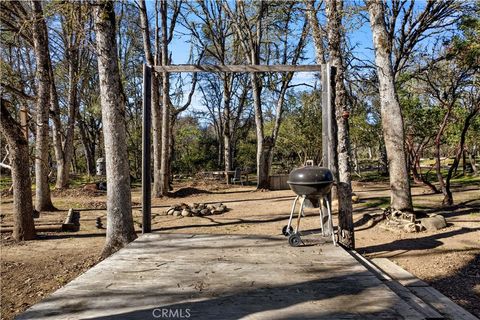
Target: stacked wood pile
<point>196,209</point>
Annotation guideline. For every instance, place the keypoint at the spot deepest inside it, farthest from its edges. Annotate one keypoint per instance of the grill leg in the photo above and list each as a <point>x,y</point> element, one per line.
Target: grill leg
<point>321,220</point>
<point>300,213</point>
<point>292,212</point>
<point>330,221</point>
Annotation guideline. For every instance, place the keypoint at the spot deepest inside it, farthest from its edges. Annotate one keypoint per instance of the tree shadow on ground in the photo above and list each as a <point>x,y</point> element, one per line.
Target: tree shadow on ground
<point>188,191</point>
<point>463,208</point>
<point>424,243</point>
<point>264,302</point>
<point>237,221</point>
<point>461,286</point>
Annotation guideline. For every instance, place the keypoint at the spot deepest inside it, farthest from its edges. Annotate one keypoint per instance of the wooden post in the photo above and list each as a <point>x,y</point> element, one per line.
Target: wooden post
<point>325,126</point>
<point>329,125</point>
<point>146,159</point>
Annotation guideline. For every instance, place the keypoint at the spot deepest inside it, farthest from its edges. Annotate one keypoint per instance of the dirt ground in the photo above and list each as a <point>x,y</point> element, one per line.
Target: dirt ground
<point>448,259</point>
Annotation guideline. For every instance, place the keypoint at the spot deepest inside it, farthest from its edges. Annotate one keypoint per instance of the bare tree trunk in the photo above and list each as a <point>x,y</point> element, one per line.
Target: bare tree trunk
<point>471,159</point>
<point>43,201</point>
<point>155,101</point>
<point>317,33</point>
<point>56,129</point>
<point>64,177</point>
<point>438,143</point>
<point>392,120</point>
<point>227,138</point>
<point>164,171</point>
<point>156,135</point>
<point>262,156</point>
<point>345,218</point>
<point>88,147</point>
<point>250,42</point>
<point>120,230</point>
<point>448,199</point>
<point>64,151</point>
<point>355,160</point>
<point>382,158</point>
<point>23,225</point>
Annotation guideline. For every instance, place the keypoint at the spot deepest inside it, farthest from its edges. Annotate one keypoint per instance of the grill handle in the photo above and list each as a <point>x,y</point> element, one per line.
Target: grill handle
<point>309,163</point>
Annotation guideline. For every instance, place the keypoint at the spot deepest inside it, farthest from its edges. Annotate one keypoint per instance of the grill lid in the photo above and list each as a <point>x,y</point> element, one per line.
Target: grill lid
<point>310,175</point>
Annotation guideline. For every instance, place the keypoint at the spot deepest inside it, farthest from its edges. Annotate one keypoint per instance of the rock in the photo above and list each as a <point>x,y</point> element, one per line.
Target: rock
<point>196,212</point>
<point>410,227</point>
<point>223,208</point>
<point>436,222</point>
<point>205,212</point>
<point>355,198</point>
<point>177,213</point>
<point>201,206</point>
<point>210,207</point>
<point>170,210</point>
<point>194,205</point>
<point>102,186</point>
<point>186,213</point>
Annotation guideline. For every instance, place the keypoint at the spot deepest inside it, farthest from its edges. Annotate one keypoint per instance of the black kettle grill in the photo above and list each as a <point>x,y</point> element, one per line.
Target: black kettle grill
<point>311,184</point>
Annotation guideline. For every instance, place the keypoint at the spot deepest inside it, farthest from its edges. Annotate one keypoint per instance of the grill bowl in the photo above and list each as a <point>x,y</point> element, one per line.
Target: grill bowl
<point>310,181</point>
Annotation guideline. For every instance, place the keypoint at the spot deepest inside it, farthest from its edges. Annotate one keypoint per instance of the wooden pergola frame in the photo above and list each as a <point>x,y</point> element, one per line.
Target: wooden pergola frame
<point>328,123</point>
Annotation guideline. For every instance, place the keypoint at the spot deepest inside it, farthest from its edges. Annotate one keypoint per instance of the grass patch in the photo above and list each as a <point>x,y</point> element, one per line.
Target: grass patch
<point>370,176</point>
<point>380,202</point>
<point>467,180</point>
<point>81,180</point>
<point>5,182</point>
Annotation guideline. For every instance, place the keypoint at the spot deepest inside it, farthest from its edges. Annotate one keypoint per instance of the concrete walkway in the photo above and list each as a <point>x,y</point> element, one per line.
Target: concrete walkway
<point>184,276</point>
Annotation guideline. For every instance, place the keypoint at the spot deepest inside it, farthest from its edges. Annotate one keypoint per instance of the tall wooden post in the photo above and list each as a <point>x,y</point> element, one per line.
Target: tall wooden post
<point>328,141</point>
<point>329,125</point>
<point>325,125</point>
<point>146,159</point>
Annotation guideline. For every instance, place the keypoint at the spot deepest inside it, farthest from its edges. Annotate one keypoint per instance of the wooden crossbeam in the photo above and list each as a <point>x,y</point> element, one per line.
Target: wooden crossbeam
<point>238,68</point>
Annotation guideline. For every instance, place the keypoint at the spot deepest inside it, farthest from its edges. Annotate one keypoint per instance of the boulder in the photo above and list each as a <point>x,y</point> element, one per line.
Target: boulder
<point>177,213</point>
<point>205,212</point>
<point>186,213</point>
<point>435,222</point>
